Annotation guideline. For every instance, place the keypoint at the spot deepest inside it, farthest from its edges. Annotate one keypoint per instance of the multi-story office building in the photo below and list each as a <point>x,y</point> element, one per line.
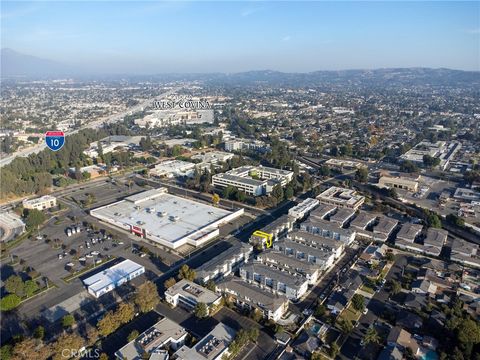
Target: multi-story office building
<point>158,339</point>
<point>41,203</point>
<point>253,180</point>
<point>189,294</point>
<point>214,346</point>
<point>341,197</point>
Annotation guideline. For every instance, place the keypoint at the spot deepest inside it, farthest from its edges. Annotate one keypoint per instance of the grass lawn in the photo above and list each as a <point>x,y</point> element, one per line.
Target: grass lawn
<point>350,314</point>
<point>367,289</point>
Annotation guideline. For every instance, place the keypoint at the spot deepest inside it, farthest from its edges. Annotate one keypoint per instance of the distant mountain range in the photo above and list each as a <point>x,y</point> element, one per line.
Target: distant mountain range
<point>15,64</point>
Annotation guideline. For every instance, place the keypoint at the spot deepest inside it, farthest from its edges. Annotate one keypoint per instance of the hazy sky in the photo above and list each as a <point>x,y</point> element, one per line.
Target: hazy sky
<point>198,36</point>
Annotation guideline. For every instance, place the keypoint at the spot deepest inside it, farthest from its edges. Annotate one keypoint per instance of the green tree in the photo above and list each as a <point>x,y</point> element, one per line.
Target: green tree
<point>66,341</point>
<point>147,296</point>
<point>108,324</point>
<point>320,310</point>
<point>34,218</point>
<point>289,192</point>
<point>395,287</point>
<point>39,332</point>
<point>31,287</point>
<point>277,192</point>
<point>371,336</point>
<point>253,334</point>
<point>169,283</point>
<point>389,257</point>
<point>201,310</point>
<point>125,312</point>
<point>468,332</point>
<point>186,273</point>
<point>361,175</point>
<point>133,335</point>
<point>334,350</point>
<point>358,302</point>
<point>345,326</point>
<point>68,321</point>
<point>9,302</point>
<point>15,285</point>
<point>6,352</point>
<point>210,285</point>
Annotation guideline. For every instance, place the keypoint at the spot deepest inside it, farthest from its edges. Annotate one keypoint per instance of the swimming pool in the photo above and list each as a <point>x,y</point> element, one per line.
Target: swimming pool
<point>429,355</point>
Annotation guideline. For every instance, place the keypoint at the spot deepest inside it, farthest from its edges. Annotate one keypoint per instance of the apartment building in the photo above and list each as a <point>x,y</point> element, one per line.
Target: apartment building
<point>290,264</point>
<point>272,306</point>
<point>303,209</point>
<point>328,230</point>
<point>323,258</point>
<point>225,263</point>
<point>280,282</point>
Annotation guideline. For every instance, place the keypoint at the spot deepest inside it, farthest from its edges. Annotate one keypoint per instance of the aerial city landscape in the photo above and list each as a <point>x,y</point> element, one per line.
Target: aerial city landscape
<point>159,203</point>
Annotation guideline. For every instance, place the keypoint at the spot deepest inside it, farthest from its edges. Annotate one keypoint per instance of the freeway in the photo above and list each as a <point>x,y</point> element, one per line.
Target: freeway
<point>94,124</point>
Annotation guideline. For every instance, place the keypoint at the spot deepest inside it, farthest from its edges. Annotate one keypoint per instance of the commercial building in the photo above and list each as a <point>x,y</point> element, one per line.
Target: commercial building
<point>113,143</point>
<point>41,203</point>
<point>321,257</point>
<point>342,216</point>
<point>112,277</point>
<point>384,228</point>
<point>225,263</point>
<point>165,219</point>
<point>173,168</point>
<point>344,164</point>
<point>214,346</point>
<point>246,144</point>
<point>324,243</point>
<point>303,209</point>
<point>11,225</point>
<point>468,195</point>
<point>188,294</point>
<point>213,157</point>
<point>272,306</point>
<point>397,182</point>
<point>279,282</point>
<point>290,264</point>
<point>172,117</point>
<point>341,197</point>
<point>328,230</point>
<point>253,180</point>
<point>164,335</point>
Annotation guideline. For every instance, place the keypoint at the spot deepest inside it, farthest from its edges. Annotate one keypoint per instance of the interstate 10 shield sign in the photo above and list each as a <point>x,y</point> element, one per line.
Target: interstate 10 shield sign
<point>55,140</point>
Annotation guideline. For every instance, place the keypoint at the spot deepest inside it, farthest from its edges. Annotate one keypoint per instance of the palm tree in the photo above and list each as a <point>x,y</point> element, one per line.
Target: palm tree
<point>371,336</point>
<point>345,326</point>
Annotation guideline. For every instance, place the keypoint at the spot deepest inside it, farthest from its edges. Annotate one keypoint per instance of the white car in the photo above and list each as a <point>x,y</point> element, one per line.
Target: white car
<point>95,253</point>
<point>89,256</point>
